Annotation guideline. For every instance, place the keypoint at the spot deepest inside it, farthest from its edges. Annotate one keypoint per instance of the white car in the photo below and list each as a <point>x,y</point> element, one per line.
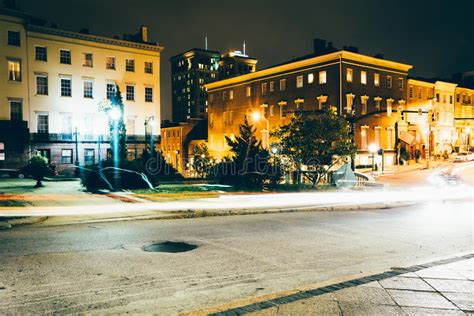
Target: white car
<point>464,156</point>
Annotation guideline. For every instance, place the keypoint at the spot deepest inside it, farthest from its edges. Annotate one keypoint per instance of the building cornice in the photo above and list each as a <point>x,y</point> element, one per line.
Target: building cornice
<point>340,55</point>
<point>416,82</point>
<point>93,38</point>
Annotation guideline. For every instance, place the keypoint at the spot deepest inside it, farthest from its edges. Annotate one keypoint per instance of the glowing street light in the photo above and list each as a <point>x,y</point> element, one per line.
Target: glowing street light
<point>115,114</point>
<point>256,116</point>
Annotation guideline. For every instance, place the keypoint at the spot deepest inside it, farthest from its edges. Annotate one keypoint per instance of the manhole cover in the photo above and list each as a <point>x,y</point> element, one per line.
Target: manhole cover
<point>170,246</point>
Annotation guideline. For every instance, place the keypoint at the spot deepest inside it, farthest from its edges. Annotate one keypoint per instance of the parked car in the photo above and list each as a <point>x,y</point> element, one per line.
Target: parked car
<point>464,156</point>
<point>11,173</point>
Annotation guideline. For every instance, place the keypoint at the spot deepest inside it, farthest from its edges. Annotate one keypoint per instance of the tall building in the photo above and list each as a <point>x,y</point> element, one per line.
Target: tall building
<point>190,71</point>
<point>52,85</point>
<point>371,91</point>
<point>193,69</point>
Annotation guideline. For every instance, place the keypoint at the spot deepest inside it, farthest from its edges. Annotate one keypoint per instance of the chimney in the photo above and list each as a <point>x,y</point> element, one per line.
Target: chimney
<point>319,46</point>
<point>144,34</point>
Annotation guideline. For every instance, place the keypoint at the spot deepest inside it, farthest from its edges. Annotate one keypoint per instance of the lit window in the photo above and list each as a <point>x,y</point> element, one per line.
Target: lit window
<point>88,60</point>
<point>66,87</point>
<point>130,65</point>
<point>349,75</point>
<point>110,62</point>
<point>322,77</point>
<point>363,137</point>
<point>148,67</point>
<point>42,85</point>
<point>363,101</point>
<point>14,70</point>
<point>376,79</point>
<point>282,84</point>
<point>264,88</point>
<point>41,53</point>
<point>389,81</point>
<point>389,107</point>
<point>89,156</point>
<point>65,56</point>
<point>299,81</point>
<point>390,138</point>
<point>282,109</point>
<point>248,91</point>
<point>310,78</point>
<point>13,38</point>
<point>88,89</point>
<point>272,86</point>
<point>148,94</point>
<point>377,136</point>
<point>231,94</point>
<point>130,93</point>
<point>349,102</point>
<point>363,77</point>
<point>272,110</point>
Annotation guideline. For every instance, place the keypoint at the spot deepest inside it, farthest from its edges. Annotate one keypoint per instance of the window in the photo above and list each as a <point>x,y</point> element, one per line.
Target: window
<point>272,110</point>
<point>363,77</point>
<point>377,102</point>
<point>42,124</point>
<point>88,89</point>
<point>66,131</point>
<point>410,92</point>
<point>88,60</point>
<point>390,138</point>
<point>89,156</point>
<point>65,56</point>
<point>458,98</point>
<point>16,110</point>
<point>130,92</point>
<point>389,82</point>
<point>231,94</point>
<point>110,62</point>
<point>322,77</point>
<point>400,83</point>
<point>211,119</point>
<point>272,86</point>
<point>224,117</point>
<point>363,137</point>
<point>231,117</point>
<point>41,53</point>
<point>282,84</point>
<point>211,97</point>
<point>14,38</point>
<point>248,91</point>
<point>224,95</point>
<point>14,70</point>
<point>419,93</point>
<point>110,91</point>
<point>310,78</point>
<point>349,74</point>
<point>264,88</point>
<point>66,156</point>
<point>299,81</point>
<point>282,109</point>
<point>363,101</point>
<point>377,136</point>
<point>377,79</point>
<point>148,67</point>
<point>42,85</point>
<point>130,65</point>
<point>349,102</point>
<point>131,126</point>
<point>66,87</point>
<point>389,107</point>
<point>450,99</point>
<point>148,94</point>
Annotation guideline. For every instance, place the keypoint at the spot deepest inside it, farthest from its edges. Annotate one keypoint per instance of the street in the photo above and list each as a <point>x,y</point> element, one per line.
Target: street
<point>102,267</point>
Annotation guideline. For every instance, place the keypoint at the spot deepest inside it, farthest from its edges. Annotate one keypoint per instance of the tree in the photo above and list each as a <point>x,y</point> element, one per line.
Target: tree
<point>318,142</point>
<point>202,160</point>
<point>249,165</point>
<point>38,168</point>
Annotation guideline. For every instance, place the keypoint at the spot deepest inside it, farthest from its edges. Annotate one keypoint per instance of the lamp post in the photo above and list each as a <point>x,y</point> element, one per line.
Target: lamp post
<point>76,140</point>
<point>256,117</point>
<point>373,148</point>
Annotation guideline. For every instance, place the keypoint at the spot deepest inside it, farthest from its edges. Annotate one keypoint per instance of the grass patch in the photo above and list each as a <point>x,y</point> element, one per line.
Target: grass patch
<point>176,196</point>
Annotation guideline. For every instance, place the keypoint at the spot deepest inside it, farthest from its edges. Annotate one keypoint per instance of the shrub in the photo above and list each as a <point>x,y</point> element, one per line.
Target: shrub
<point>38,168</point>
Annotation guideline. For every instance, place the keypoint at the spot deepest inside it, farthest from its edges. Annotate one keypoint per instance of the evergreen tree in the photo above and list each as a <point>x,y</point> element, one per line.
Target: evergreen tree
<point>117,125</point>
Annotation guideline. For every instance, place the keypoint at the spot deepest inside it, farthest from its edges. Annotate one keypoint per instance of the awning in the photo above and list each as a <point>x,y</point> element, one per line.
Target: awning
<point>408,138</point>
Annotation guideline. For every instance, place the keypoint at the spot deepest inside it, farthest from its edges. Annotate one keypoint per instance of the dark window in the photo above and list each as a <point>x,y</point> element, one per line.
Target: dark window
<point>148,67</point>
<point>14,38</point>
<point>130,93</point>
<point>65,56</point>
<point>66,87</point>
<point>110,91</point>
<point>130,65</point>
<point>89,156</point>
<point>148,94</point>
<point>46,153</point>
<point>16,111</point>
<point>88,89</point>
<point>42,85</point>
<point>66,156</point>
<point>88,60</point>
<point>42,124</point>
<point>41,53</point>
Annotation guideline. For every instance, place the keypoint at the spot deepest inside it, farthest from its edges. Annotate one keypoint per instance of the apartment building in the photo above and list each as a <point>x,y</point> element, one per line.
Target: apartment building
<point>370,91</point>
<point>55,82</point>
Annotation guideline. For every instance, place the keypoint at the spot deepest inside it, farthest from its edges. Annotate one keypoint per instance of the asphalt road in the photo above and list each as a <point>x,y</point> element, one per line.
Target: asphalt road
<point>102,268</point>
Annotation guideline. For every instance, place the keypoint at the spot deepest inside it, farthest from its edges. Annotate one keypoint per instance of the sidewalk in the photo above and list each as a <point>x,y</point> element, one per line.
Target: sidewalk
<point>444,287</point>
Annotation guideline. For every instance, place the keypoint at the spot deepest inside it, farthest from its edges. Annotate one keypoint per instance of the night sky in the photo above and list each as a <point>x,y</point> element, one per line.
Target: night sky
<point>434,36</point>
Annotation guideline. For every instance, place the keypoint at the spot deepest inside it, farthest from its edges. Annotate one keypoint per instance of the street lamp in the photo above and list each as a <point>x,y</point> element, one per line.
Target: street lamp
<point>115,114</point>
<point>373,148</point>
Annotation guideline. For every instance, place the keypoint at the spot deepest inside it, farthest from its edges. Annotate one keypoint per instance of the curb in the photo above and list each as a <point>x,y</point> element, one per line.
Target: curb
<point>188,214</point>
<point>22,221</point>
